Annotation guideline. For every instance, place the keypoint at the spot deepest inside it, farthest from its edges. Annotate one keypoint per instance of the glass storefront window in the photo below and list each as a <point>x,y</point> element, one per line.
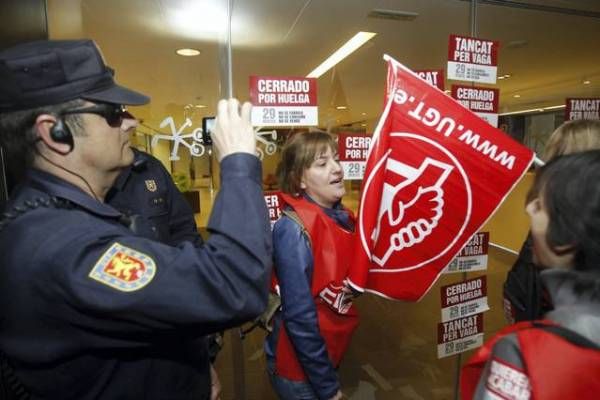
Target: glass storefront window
<point>548,51</point>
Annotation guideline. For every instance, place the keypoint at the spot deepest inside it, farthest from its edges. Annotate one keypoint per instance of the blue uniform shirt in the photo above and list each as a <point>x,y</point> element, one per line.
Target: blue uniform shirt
<point>88,310</point>
<point>147,189</point>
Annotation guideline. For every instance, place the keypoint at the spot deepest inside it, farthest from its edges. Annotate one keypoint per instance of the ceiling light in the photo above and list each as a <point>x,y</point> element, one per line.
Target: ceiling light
<point>587,82</point>
<point>393,14</point>
<point>516,96</point>
<point>341,108</point>
<point>534,110</point>
<point>348,48</point>
<point>363,124</point>
<point>516,44</point>
<point>363,113</point>
<point>200,106</point>
<point>197,20</point>
<point>188,52</point>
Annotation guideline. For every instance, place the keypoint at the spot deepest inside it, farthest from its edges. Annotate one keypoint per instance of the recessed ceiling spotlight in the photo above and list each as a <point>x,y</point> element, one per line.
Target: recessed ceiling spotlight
<point>200,106</point>
<point>397,15</point>
<point>516,96</point>
<point>363,124</point>
<point>587,82</point>
<point>188,52</point>
<point>516,44</point>
<point>363,113</point>
<point>341,108</point>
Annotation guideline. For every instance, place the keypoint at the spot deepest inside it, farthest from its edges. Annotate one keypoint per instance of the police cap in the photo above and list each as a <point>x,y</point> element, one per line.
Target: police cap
<point>48,72</point>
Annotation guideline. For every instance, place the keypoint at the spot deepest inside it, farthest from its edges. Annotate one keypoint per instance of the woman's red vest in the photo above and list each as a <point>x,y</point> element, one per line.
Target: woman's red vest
<point>331,246</point>
<point>556,368</point>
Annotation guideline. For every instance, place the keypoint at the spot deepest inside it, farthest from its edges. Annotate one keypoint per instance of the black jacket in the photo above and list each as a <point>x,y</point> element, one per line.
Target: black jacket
<point>90,310</point>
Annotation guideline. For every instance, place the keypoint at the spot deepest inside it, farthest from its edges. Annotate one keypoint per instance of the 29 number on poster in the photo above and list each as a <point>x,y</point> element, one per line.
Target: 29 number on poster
<point>354,170</point>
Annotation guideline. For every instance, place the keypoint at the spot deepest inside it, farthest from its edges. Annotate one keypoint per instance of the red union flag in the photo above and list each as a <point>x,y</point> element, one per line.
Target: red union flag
<point>435,173</point>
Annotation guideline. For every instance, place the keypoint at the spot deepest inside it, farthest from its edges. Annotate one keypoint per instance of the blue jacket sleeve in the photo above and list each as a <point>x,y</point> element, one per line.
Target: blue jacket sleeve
<point>293,267</point>
<point>197,290</point>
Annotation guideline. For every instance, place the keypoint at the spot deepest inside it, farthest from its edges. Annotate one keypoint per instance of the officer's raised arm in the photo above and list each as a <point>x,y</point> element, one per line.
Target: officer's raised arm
<point>233,132</point>
<point>91,308</point>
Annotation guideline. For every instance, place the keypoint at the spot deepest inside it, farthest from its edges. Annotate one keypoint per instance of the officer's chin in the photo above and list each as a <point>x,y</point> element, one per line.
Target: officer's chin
<point>128,156</point>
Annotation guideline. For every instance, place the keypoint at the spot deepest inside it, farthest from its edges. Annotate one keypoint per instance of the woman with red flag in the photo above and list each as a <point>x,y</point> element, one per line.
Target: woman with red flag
<point>311,241</point>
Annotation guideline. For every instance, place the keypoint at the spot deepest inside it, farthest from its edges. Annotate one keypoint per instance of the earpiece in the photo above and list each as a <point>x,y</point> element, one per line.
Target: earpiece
<point>60,133</point>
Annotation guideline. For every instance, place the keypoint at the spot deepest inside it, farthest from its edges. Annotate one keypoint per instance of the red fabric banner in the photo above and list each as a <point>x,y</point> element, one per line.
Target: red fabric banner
<point>435,173</point>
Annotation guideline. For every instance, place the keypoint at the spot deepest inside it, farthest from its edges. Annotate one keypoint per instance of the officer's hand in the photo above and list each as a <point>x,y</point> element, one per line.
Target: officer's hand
<point>233,132</point>
<point>215,384</point>
<point>337,396</point>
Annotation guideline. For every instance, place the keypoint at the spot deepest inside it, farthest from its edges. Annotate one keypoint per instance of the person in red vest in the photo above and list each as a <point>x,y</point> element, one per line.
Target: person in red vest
<point>557,357</point>
<point>311,242</point>
<point>524,296</point>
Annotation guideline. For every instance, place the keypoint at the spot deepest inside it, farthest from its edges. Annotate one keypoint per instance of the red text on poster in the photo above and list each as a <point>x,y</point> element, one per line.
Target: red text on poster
<point>433,77</point>
<point>472,257</point>
<point>582,108</point>
<point>460,335</point>
<point>283,101</point>
<point>352,150</point>
<point>464,298</point>
<point>472,59</point>
<point>273,206</point>
<point>481,100</point>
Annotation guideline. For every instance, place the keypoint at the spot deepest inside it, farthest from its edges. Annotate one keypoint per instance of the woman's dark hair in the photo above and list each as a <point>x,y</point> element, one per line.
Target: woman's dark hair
<point>298,154</point>
<point>570,189</point>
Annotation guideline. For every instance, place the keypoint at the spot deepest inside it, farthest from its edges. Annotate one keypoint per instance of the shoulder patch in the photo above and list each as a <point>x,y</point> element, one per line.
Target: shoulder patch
<point>124,268</point>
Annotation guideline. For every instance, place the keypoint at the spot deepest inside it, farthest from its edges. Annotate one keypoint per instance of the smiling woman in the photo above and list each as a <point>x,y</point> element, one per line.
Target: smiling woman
<point>313,328</point>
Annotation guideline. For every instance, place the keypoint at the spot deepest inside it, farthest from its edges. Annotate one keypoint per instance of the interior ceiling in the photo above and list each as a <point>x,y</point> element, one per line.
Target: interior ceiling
<point>548,46</point>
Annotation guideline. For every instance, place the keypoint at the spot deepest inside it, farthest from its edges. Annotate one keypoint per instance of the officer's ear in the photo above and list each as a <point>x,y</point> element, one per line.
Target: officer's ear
<point>44,123</point>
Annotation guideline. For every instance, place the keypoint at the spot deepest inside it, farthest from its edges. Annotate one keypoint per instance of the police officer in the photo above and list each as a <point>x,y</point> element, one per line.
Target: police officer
<point>88,308</point>
<point>145,191</point>
<point>146,188</point>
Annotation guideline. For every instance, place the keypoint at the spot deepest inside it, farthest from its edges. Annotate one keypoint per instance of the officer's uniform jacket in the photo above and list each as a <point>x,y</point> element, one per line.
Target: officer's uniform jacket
<point>146,188</point>
<point>89,310</point>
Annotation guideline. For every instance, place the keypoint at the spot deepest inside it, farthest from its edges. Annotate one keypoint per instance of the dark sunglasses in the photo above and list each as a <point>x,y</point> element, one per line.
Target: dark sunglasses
<point>114,114</point>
